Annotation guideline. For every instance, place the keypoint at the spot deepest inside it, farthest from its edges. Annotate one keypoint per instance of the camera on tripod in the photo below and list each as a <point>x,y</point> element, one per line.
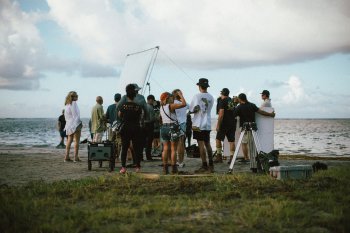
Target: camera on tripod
<point>248,126</point>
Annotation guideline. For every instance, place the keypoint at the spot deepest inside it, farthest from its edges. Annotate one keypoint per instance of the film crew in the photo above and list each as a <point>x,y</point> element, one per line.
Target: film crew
<point>61,123</point>
<point>111,117</point>
<point>73,125</point>
<point>265,96</point>
<point>149,126</point>
<point>98,122</point>
<point>226,124</point>
<point>140,100</point>
<point>181,114</point>
<point>188,129</point>
<point>246,111</point>
<point>201,105</point>
<point>156,146</point>
<point>170,130</point>
<point>130,114</point>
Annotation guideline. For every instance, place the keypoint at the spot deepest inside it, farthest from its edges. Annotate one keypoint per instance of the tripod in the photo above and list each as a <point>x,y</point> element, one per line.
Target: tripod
<point>249,128</point>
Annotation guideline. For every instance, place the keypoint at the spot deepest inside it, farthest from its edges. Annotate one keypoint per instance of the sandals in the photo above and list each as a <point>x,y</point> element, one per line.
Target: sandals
<point>77,160</point>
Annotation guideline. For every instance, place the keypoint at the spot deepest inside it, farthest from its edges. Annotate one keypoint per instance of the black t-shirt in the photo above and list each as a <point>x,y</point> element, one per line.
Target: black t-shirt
<point>229,120</point>
<point>62,121</point>
<point>131,114</point>
<point>246,112</point>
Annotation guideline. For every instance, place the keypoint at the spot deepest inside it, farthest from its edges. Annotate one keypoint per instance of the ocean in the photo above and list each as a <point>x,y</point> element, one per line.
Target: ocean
<point>318,137</point>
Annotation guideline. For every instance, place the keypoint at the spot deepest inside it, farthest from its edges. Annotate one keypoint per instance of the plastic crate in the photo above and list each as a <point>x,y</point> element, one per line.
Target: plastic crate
<point>291,172</point>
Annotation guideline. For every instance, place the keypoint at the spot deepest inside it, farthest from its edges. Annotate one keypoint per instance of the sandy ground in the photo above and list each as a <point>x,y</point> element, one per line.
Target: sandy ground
<point>19,166</point>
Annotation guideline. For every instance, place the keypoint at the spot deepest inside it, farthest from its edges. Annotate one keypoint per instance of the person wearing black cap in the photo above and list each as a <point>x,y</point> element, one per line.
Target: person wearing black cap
<point>246,112</point>
<point>265,96</point>
<point>111,116</point>
<point>201,106</point>
<point>226,124</point>
<point>140,100</point>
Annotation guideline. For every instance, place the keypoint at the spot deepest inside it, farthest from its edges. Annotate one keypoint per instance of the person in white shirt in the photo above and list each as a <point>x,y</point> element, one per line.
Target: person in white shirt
<point>73,125</point>
<point>181,114</point>
<point>265,96</point>
<point>201,105</point>
<point>168,134</point>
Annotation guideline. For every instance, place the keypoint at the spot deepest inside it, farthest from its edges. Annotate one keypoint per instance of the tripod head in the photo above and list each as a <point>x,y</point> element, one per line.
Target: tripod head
<point>248,126</point>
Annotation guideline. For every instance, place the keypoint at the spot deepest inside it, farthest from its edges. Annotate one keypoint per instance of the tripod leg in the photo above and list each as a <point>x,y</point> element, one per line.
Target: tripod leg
<point>257,141</point>
<point>238,146</point>
<point>258,147</point>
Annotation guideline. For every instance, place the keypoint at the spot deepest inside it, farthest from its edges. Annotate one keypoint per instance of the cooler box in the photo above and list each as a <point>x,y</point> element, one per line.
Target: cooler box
<point>103,151</point>
<point>291,172</point>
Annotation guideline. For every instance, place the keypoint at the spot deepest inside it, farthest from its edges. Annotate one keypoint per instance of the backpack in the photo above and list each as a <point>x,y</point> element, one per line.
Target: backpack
<point>267,160</point>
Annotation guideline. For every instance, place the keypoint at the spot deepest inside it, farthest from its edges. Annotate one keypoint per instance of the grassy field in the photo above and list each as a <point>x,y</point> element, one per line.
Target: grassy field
<point>242,202</point>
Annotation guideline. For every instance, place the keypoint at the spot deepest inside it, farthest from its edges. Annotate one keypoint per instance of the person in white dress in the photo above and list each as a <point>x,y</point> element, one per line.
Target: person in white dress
<point>73,125</point>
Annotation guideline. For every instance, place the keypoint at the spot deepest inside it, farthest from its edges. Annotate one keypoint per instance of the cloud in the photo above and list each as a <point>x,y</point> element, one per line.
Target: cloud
<point>295,92</point>
<point>23,57</point>
<point>208,34</point>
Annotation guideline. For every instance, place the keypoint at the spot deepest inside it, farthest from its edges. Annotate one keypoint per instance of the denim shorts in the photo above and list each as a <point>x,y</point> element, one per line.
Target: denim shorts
<point>165,134</point>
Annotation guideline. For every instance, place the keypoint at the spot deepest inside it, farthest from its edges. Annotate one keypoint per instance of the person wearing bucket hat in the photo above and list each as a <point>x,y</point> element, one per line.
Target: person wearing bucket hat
<point>201,105</point>
<point>265,96</point>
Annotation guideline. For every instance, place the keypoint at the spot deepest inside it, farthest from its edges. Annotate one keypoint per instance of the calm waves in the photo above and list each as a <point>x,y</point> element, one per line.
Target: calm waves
<point>292,136</point>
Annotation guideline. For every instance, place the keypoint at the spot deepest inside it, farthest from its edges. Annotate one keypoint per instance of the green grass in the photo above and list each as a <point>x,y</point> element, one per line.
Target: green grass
<point>219,203</point>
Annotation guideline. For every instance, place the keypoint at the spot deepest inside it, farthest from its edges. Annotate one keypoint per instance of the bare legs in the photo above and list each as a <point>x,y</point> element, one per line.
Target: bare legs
<point>76,138</point>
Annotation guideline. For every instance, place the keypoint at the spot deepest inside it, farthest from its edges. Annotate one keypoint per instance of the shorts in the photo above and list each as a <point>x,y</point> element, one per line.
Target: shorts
<point>203,135</point>
<point>229,133</point>
<point>165,134</point>
<point>246,137</point>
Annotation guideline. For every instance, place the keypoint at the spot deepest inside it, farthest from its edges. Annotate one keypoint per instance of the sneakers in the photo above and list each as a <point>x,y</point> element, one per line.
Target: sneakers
<point>67,160</point>
<point>181,165</point>
<point>137,169</point>
<point>244,160</point>
<point>122,170</point>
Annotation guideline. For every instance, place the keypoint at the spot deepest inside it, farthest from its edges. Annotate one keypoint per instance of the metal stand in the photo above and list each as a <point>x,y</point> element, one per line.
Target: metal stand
<point>247,128</point>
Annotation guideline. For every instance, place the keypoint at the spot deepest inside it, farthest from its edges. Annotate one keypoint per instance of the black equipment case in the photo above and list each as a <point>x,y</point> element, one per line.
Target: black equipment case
<point>103,151</point>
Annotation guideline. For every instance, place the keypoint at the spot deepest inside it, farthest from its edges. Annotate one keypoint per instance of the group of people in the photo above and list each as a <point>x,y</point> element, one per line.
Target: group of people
<point>144,124</point>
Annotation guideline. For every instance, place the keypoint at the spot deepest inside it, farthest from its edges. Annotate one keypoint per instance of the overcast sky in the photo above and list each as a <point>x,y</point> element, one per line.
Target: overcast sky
<point>298,50</point>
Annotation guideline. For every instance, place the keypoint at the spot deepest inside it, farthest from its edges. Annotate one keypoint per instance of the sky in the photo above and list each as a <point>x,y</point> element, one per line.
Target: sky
<point>298,50</point>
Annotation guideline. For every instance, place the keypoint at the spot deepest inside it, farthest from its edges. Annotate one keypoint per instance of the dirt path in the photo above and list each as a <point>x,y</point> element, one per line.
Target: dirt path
<point>19,166</point>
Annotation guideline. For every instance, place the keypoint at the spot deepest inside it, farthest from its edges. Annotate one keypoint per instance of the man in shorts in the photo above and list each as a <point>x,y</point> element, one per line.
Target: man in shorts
<point>246,111</point>
<point>201,106</point>
<point>226,125</point>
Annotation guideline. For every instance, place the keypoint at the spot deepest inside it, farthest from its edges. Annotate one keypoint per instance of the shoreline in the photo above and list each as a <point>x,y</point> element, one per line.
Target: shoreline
<point>19,166</point>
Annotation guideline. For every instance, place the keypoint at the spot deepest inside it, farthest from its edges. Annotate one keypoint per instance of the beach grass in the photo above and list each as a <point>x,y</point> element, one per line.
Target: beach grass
<point>242,202</point>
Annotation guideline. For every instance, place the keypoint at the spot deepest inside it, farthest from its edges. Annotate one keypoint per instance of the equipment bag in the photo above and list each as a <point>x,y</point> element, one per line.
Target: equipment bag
<point>267,160</point>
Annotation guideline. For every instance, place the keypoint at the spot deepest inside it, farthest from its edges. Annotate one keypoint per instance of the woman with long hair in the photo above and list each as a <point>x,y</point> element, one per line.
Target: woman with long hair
<point>73,125</point>
<point>169,121</point>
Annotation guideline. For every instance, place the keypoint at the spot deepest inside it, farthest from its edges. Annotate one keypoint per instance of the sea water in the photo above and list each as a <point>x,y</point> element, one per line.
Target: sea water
<point>292,136</point>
